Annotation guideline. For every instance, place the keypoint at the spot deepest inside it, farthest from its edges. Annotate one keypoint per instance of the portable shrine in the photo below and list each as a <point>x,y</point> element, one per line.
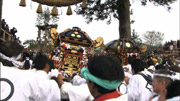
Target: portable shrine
<point>74,47</point>
<point>124,47</point>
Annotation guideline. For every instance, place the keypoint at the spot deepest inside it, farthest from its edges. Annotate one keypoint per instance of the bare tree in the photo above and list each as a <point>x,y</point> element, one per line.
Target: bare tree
<point>153,38</point>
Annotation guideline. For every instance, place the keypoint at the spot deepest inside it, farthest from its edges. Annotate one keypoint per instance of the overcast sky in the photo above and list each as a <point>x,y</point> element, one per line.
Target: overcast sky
<point>146,18</point>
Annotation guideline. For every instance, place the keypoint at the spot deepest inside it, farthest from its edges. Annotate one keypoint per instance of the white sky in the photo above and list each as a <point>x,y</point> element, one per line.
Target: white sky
<point>146,18</point>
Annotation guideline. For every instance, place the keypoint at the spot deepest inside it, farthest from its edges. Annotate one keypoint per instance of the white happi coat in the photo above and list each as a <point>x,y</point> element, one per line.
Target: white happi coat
<point>49,89</point>
<point>76,93</point>
<point>137,90</point>
<point>18,85</point>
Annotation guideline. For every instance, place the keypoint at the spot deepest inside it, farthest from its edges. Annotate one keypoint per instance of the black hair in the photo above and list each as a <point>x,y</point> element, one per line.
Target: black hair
<point>150,62</point>
<point>138,65</point>
<point>26,64</point>
<point>130,59</point>
<point>175,68</point>
<point>25,54</point>
<point>107,68</point>
<point>173,89</point>
<point>51,63</point>
<point>40,61</point>
<point>25,58</point>
<point>10,49</point>
<point>160,67</point>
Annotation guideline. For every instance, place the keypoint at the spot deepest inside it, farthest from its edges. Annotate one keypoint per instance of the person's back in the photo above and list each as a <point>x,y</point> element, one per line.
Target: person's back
<point>141,91</point>
<point>139,88</point>
<point>48,88</point>
<point>16,84</point>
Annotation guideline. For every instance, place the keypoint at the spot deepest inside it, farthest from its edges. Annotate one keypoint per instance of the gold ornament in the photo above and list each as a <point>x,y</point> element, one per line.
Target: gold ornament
<point>143,48</point>
<point>99,41</point>
<point>128,44</point>
<point>53,33</point>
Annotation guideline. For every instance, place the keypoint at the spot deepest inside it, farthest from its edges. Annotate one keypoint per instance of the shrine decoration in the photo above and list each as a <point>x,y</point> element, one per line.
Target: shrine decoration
<point>122,48</point>
<point>98,47</point>
<point>123,45</point>
<point>74,45</point>
<point>53,35</point>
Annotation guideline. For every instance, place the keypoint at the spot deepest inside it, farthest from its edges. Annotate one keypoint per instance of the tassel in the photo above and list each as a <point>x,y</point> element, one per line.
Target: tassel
<point>22,3</point>
<point>39,9</point>
<point>69,11</point>
<point>84,5</point>
<point>54,11</point>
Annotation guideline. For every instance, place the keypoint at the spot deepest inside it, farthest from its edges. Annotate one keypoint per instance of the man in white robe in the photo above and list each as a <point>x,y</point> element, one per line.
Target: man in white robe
<point>21,84</point>
<point>15,84</point>
<point>138,88</point>
<point>49,88</point>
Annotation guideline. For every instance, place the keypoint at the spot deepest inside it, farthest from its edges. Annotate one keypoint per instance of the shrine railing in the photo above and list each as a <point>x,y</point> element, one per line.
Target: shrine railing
<point>5,36</point>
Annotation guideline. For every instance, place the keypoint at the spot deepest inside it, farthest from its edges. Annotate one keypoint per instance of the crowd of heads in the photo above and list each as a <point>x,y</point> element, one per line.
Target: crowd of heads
<point>171,45</point>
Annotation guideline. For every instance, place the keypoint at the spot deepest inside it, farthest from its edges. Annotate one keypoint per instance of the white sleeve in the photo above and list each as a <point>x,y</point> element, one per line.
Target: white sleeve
<point>29,86</point>
<point>77,80</point>
<point>133,89</point>
<point>64,90</point>
<point>65,86</point>
<point>54,93</point>
<point>49,90</point>
<point>137,90</point>
<point>77,93</point>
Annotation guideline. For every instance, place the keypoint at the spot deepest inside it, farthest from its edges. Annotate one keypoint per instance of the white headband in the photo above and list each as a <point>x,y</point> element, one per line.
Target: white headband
<point>167,76</point>
<point>12,59</point>
<point>166,64</point>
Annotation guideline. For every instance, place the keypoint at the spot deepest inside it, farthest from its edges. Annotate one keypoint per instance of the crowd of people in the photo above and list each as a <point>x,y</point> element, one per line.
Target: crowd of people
<point>104,79</point>
<point>11,31</point>
<point>171,45</point>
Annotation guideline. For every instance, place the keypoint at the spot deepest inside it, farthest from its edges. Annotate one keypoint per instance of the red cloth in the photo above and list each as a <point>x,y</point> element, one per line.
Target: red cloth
<point>107,96</point>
